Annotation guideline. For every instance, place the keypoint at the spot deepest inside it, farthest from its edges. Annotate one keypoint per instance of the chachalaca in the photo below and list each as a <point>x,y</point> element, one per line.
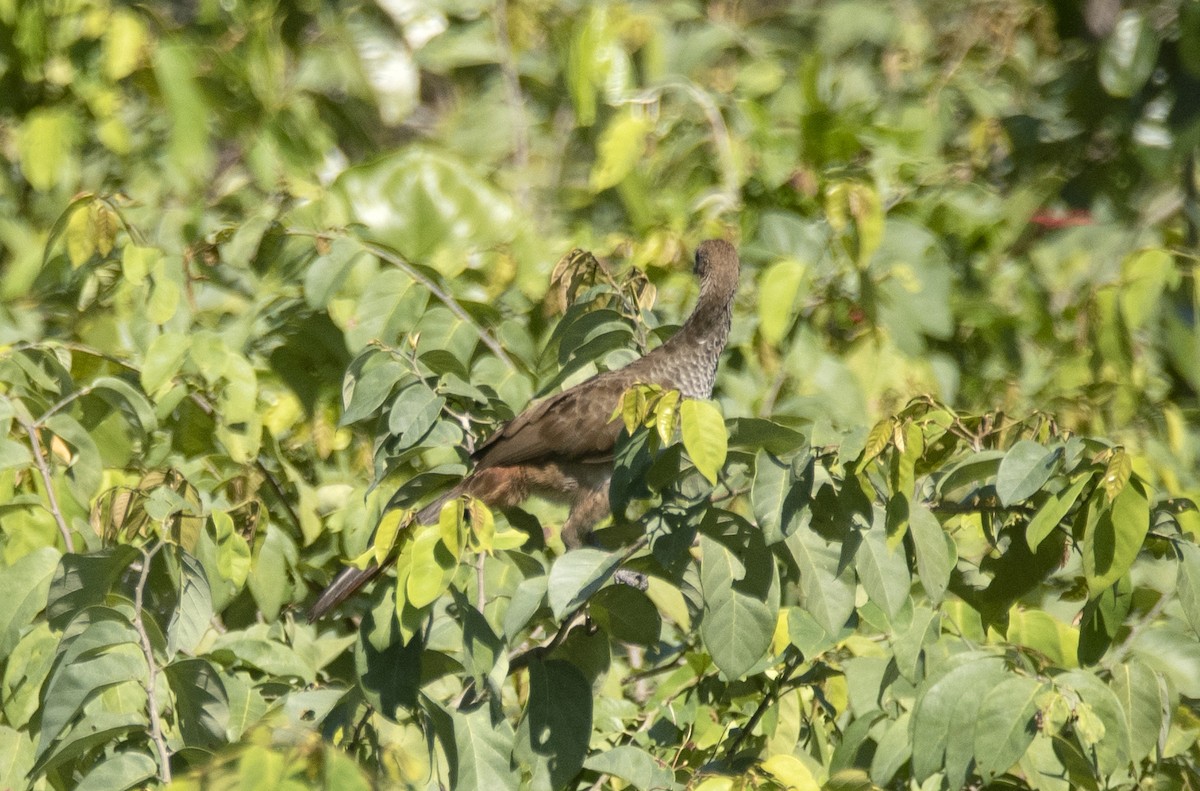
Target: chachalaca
<point>561,448</point>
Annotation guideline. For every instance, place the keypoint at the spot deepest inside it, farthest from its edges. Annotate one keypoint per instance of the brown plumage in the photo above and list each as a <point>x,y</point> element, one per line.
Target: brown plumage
<point>561,448</point>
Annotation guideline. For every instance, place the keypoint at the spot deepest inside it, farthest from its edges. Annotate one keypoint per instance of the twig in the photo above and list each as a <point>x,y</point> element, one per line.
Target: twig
<point>516,101</point>
<point>24,419</point>
<point>156,732</point>
<point>279,493</point>
<point>450,302</point>
<point>480,594</point>
<point>789,667</point>
<point>65,401</point>
<point>525,657</point>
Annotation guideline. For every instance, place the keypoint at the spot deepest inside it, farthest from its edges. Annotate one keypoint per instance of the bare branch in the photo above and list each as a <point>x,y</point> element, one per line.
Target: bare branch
<point>23,418</point>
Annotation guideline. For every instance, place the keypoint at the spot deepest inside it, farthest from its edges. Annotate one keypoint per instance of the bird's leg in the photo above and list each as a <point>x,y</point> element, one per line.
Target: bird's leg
<point>588,507</point>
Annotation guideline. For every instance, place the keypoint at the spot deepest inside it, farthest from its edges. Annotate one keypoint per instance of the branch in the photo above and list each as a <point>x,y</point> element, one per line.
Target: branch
<point>447,300</point>
<point>789,667</point>
<point>26,423</point>
<point>156,732</point>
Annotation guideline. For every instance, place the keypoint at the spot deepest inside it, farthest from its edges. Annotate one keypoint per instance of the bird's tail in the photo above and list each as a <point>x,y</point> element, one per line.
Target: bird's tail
<point>352,579</point>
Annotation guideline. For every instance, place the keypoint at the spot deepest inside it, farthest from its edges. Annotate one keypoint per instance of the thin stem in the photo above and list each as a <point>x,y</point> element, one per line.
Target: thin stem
<point>156,731</point>
<point>26,423</point>
<point>65,401</point>
<point>395,260</point>
<point>790,666</point>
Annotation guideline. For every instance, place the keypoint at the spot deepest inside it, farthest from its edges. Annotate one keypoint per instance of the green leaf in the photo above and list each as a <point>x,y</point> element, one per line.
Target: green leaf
<point>17,750</point>
<point>413,413</point>
<point>778,299</point>
<point>883,571</point>
<point>254,649</point>
<point>124,44</point>
<point>82,581</point>
<point>24,586</point>
<point>973,471</point>
<point>1111,751</point>
<point>627,615</point>
<point>1102,618</point>
<point>107,386</point>
<point>1053,511</point>
<point>1129,54</point>
<point>1146,275</point>
<point>1006,725</point>
<point>576,576</point>
<point>433,563</point>
<point>176,72</point>
<point>936,552</point>
<point>1024,470</point>
<point>633,765</point>
<point>778,497</point>
<point>1187,587</point>
<point>419,200</point>
<point>621,147</point>
<point>560,718</point>
<point>1113,537</point>
<point>80,236</point>
<point>47,145</point>
<point>1142,694</point>
<point>790,772</point>
<point>74,683</point>
<point>741,599</point>
<point>201,704</point>
<point>483,751</point>
<point>388,667</point>
<point>163,360</point>
<point>364,392</point>
<point>1042,632</point>
<point>935,706</point>
<point>123,770</point>
<point>704,436</point>
<point>892,751</point>
<point>269,579</point>
<point>828,586</point>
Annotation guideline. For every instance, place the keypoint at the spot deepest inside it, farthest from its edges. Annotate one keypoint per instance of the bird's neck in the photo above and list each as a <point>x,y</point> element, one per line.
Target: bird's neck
<point>710,320</point>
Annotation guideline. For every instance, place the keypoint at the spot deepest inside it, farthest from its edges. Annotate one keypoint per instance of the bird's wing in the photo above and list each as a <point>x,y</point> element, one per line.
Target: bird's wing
<point>573,425</point>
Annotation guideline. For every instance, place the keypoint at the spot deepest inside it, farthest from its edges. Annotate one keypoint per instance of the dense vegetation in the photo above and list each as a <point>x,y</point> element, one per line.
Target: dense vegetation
<point>267,267</point>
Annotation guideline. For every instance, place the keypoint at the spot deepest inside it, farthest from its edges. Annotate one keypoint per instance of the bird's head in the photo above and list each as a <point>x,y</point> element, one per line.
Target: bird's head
<point>717,264</point>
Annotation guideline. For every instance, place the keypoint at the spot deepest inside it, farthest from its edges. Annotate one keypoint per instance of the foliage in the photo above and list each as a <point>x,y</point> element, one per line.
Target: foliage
<point>271,268</point>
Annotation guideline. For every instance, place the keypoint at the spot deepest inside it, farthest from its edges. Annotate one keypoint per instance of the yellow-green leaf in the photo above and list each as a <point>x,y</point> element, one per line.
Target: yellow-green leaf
<point>1116,474</point>
<point>665,411</point>
<point>622,145</point>
<point>164,301</point>
<point>46,145</point>
<point>432,567</point>
<point>80,236</point>
<point>877,439</point>
<point>704,436</point>
<point>778,298</point>
<point>137,262</point>
<point>124,43</point>
<point>104,220</point>
<point>385,534</point>
<point>790,772</point>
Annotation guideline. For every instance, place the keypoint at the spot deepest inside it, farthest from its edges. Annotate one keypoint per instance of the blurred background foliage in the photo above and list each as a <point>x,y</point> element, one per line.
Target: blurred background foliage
<point>211,211</point>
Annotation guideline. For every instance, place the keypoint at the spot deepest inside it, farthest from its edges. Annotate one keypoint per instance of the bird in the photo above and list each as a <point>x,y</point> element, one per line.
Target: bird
<point>560,448</point>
